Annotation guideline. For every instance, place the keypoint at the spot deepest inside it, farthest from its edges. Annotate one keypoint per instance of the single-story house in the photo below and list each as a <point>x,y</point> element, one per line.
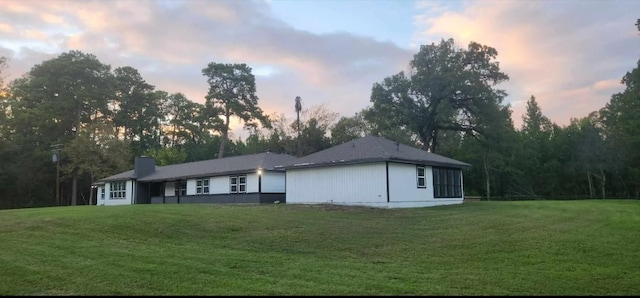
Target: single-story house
<point>373,171</point>
<point>238,179</point>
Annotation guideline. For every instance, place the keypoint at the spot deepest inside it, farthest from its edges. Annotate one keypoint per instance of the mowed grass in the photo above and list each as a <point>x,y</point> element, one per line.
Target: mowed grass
<point>478,248</point>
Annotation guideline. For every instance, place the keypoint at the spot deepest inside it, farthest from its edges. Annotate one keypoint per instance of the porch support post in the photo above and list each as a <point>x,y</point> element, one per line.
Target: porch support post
<point>164,188</point>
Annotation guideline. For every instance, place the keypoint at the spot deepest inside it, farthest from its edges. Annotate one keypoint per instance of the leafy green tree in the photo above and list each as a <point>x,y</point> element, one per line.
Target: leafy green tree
<point>255,143</point>
<point>592,153</point>
<point>349,128</point>
<point>382,124</point>
<point>3,66</point>
<point>621,125</point>
<point>446,89</point>
<point>179,115</point>
<point>535,159</point>
<point>534,124</point>
<point>232,92</point>
<point>315,124</point>
<point>98,154</point>
<point>57,98</point>
<point>168,155</point>
<point>137,109</point>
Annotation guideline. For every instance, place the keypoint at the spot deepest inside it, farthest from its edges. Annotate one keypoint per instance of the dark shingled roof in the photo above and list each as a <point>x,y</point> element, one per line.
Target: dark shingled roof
<point>372,149</point>
<point>213,167</point>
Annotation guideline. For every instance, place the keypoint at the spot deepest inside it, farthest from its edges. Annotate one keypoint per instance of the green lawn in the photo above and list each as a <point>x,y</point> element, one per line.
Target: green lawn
<point>479,248</point>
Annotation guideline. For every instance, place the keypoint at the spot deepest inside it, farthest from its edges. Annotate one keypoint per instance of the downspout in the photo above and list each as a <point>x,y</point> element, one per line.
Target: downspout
<point>387,170</point>
<point>259,185</point>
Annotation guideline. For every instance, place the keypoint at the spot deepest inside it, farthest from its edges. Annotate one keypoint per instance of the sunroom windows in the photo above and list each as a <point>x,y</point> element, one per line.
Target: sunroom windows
<point>447,183</point>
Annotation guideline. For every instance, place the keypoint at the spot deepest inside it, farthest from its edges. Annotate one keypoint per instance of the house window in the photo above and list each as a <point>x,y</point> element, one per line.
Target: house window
<point>102,193</point>
<point>118,190</point>
<point>202,186</point>
<point>421,175</point>
<point>181,188</point>
<point>238,184</point>
<point>447,183</point>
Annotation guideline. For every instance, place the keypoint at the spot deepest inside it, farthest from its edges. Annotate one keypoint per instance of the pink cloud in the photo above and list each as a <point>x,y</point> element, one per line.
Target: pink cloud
<point>555,50</point>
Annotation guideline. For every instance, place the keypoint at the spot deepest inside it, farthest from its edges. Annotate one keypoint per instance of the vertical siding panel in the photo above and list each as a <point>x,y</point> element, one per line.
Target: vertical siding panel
<point>403,184</point>
<point>252,182</point>
<point>191,187</point>
<point>358,184</point>
<point>273,182</point>
<point>170,189</point>
<point>219,185</point>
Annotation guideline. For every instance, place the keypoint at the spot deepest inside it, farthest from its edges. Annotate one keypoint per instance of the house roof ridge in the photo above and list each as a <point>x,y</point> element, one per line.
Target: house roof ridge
<point>376,141</point>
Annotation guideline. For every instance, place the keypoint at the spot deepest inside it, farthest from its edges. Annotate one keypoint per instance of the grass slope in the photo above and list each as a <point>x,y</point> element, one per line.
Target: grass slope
<point>479,248</point>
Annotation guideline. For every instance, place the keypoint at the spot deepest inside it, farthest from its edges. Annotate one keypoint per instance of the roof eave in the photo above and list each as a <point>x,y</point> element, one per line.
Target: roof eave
<point>173,178</point>
<point>370,160</point>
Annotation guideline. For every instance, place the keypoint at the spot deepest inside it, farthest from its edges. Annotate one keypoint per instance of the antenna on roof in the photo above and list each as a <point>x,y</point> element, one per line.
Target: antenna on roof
<point>353,144</point>
<point>397,146</point>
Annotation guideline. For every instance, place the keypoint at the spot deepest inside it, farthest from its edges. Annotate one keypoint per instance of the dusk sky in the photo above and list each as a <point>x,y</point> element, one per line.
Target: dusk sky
<point>570,54</point>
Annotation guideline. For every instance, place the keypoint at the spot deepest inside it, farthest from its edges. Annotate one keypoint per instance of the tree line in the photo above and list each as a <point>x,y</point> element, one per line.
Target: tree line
<point>96,119</point>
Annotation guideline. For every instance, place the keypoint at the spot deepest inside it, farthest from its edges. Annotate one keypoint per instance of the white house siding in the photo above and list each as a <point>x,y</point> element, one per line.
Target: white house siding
<point>252,182</point>
<point>273,182</point>
<point>404,191</point>
<point>99,195</point>
<point>359,184</point>
<point>217,185</point>
<point>170,188</point>
<point>403,184</point>
<point>191,187</point>
<point>128,196</point>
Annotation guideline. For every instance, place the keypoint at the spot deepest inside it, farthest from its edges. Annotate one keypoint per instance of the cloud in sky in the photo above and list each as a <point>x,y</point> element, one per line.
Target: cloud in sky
<point>170,42</point>
<point>569,54</point>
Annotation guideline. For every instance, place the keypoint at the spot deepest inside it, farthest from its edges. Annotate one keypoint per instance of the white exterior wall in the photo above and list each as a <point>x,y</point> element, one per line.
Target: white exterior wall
<point>273,182</point>
<point>363,185</point>
<point>404,191</point>
<point>403,183</point>
<point>252,182</point>
<point>218,185</point>
<point>128,196</point>
<point>170,189</point>
<point>100,200</point>
<point>359,184</point>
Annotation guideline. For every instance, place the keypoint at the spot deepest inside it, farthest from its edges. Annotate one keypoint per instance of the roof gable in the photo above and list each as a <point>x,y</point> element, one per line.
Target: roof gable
<point>373,148</point>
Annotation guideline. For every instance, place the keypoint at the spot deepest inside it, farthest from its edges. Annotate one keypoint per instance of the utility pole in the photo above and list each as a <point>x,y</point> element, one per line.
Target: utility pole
<point>76,130</point>
<point>56,158</point>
